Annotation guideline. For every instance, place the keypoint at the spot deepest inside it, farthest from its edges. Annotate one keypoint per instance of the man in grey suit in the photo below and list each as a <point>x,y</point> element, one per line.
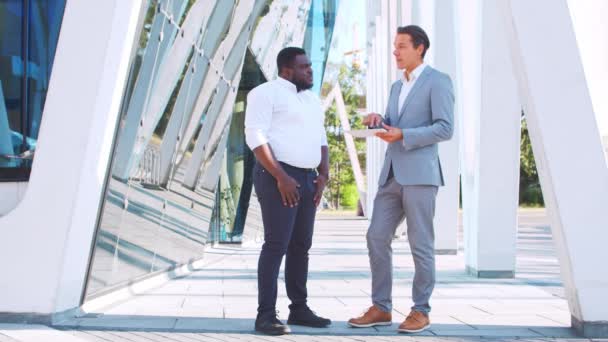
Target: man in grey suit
<point>419,115</point>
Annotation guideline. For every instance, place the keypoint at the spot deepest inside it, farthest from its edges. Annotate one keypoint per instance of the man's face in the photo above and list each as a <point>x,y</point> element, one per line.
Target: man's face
<point>405,54</point>
<point>301,73</point>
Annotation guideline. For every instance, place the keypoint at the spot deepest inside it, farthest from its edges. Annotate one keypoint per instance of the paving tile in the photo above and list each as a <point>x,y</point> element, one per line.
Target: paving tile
<point>507,321</point>
<point>102,336</point>
<point>129,322</point>
<point>215,325</point>
<point>34,332</point>
<point>5,338</point>
<point>504,332</point>
<point>556,332</point>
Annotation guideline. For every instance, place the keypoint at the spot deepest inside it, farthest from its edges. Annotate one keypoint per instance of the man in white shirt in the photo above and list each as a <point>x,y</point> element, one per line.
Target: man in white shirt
<point>284,126</point>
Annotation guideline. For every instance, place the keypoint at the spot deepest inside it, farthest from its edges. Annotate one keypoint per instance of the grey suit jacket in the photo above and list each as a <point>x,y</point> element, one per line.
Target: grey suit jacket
<point>427,118</point>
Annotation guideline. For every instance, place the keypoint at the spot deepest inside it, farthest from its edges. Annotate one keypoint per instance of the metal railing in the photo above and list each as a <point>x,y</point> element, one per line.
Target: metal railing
<point>148,171</point>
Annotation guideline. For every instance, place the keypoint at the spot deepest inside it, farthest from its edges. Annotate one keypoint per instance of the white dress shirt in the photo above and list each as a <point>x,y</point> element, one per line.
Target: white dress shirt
<point>291,122</point>
<point>408,85</point>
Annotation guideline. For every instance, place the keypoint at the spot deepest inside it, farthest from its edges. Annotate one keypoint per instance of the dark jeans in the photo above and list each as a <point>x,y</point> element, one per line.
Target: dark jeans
<point>287,231</point>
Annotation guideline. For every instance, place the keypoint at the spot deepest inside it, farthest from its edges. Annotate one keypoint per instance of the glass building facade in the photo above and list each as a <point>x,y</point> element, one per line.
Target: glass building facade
<point>181,171</point>
<point>29,30</point>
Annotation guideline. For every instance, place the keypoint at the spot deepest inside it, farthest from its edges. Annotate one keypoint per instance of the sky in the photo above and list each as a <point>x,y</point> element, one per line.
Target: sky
<point>349,34</point>
<point>350,29</point>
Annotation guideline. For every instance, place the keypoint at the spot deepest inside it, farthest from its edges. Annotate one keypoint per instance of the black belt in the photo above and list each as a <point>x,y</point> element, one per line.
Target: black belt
<point>303,169</point>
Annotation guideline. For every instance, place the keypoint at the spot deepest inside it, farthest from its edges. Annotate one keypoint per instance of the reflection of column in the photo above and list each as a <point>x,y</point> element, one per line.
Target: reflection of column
<point>226,204</point>
<point>243,156</point>
<point>169,73</point>
<point>568,151</point>
<point>491,218</point>
<point>285,24</point>
<point>443,50</point>
<point>212,165</point>
<point>210,125</point>
<point>235,154</point>
<point>211,143</point>
<point>232,53</point>
<point>218,24</point>
<point>181,112</point>
<point>187,113</point>
<point>161,37</point>
<point>231,177</point>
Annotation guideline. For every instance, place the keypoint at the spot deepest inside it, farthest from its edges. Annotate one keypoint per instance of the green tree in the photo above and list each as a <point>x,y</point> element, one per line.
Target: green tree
<point>529,186</point>
<point>341,190</point>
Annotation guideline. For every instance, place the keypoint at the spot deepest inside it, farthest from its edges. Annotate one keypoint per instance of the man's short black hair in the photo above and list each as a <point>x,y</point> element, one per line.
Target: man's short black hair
<point>418,36</point>
<point>286,57</point>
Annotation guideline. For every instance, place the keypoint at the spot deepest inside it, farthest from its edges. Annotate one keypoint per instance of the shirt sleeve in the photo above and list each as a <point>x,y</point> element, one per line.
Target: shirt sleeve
<point>323,135</point>
<point>258,118</point>
<point>322,130</point>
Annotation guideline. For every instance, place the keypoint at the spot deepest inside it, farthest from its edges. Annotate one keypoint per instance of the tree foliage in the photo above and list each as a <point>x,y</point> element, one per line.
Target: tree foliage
<point>341,191</point>
<point>530,193</point>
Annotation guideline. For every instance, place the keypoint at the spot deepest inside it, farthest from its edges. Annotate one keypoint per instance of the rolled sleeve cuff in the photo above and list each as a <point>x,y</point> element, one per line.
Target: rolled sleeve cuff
<point>255,138</point>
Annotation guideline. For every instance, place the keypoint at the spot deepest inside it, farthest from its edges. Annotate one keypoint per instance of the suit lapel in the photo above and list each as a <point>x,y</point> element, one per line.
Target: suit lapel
<point>419,82</point>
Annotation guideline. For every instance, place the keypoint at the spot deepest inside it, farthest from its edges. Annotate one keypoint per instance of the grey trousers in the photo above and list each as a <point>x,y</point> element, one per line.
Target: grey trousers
<point>393,203</point>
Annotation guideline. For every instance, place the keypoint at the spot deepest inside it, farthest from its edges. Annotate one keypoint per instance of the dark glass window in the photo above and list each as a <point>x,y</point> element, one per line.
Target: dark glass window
<point>29,30</point>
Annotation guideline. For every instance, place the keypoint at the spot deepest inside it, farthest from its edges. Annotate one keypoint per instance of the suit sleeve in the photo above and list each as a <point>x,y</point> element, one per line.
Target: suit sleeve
<point>442,115</point>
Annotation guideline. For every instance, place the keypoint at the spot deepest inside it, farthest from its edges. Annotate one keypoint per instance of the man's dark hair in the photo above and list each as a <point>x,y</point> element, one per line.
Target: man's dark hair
<point>286,57</point>
<point>418,36</point>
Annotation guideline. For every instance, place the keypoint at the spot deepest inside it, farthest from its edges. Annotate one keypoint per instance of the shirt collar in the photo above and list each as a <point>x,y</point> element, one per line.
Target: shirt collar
<point>287,84</point>
<point>415,74</point>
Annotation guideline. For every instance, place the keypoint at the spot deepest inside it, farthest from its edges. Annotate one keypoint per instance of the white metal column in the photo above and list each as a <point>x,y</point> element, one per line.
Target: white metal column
<point>437,20</point>
<point>568,151</point>
<point>491,242</point>
<point>56,218</point>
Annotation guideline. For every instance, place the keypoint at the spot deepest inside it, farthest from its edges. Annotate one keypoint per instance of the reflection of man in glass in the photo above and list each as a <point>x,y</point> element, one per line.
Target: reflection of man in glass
<point>284,128</point>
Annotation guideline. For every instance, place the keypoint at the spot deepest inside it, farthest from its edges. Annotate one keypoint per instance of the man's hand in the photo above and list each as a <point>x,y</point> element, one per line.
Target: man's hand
<point>321,182</point>
<point>373,120</point>
<point>288,187</point>
<point>391,135</point>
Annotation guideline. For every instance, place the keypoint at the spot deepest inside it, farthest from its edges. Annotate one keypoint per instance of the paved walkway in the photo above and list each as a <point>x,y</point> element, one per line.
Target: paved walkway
<point>218,301</point>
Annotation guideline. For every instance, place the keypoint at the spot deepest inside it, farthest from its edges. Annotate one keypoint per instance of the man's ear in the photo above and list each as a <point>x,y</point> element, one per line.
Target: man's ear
<point>287,73</point>
<point>420,49</point>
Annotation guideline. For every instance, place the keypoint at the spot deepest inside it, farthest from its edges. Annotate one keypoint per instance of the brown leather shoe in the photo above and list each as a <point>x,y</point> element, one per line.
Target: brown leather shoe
<point>373,316</point>
<point>415,322</point>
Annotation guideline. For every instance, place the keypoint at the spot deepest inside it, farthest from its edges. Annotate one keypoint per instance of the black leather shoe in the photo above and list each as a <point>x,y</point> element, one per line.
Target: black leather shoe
<point>269,324</point>
<point>306,317</point>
